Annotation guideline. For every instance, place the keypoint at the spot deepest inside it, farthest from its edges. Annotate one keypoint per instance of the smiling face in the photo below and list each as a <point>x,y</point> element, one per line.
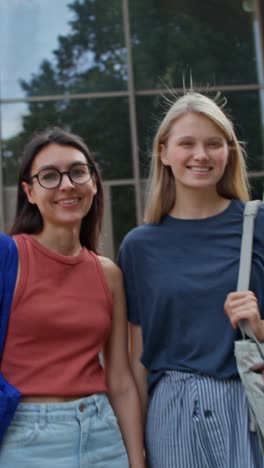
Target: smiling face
<point>196,151</point>
<point>67,204</point>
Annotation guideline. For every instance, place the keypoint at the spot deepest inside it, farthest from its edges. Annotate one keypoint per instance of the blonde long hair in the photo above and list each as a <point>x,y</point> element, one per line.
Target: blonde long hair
<point>161,183</point>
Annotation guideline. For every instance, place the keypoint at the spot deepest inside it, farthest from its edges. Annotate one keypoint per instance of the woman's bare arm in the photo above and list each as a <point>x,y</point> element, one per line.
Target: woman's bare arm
<point>139,371</point>
<point>123,393</point>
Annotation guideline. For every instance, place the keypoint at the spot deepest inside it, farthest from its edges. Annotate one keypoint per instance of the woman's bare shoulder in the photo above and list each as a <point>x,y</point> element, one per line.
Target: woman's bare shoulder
<point>112,273</point>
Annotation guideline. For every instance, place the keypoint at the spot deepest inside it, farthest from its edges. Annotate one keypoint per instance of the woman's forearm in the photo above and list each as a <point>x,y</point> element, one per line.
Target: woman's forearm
<point>126,406</point>
<point>140,376</point>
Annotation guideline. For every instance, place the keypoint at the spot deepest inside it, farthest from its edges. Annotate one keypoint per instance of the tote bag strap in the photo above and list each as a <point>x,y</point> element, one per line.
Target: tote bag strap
<point>250,212</point>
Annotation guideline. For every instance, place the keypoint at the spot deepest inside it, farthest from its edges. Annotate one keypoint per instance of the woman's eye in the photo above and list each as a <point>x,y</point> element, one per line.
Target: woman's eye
<point>78,172</point>
<point>186,143</point>
<point>49,175</point>
<point>215,144</point>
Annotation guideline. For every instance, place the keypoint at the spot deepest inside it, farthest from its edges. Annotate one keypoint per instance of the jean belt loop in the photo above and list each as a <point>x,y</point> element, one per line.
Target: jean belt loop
<point>97,401</point>
<point>42,416</point>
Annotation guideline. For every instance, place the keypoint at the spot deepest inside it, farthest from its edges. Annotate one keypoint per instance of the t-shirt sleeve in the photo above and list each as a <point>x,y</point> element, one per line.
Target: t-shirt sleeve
<point>126,262</point>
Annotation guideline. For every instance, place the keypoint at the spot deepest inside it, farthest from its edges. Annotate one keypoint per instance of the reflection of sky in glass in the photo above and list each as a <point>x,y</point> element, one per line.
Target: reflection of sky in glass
<point>28,34</point>
<point>11,118</point>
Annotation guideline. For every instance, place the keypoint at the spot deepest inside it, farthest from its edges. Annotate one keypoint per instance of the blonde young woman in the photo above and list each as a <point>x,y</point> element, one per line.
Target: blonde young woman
<point>181,271</point>
<point>69,305</point>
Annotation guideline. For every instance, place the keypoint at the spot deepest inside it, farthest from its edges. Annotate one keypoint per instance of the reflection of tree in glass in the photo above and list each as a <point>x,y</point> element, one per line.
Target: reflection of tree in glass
<point>123,212</point>
<point>257,189</point>
<point>90,58</point>
<point>212,39</point>
<point>248,129</point>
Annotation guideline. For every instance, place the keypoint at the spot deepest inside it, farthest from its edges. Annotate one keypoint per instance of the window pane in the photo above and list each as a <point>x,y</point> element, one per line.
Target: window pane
<point>257,189</point>
<point>61,47</point>
<point>245,112</point>
<point>123,212</point>
<point>150,112</point>
<point>214,42</point>
<point>103,123</point>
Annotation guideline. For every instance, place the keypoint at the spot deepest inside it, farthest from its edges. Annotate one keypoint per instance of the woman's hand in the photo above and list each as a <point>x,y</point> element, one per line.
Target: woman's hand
<point>243,305</point>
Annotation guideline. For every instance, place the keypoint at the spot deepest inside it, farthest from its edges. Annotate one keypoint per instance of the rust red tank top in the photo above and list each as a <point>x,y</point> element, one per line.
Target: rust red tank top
<point>59,322</point>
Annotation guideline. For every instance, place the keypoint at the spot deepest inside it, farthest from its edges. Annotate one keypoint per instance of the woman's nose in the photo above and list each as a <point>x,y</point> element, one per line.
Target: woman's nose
<point>200,152</point>
<point>66,181</point>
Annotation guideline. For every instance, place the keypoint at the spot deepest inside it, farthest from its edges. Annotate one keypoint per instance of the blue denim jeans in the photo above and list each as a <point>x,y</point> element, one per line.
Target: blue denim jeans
<point>77,434</point>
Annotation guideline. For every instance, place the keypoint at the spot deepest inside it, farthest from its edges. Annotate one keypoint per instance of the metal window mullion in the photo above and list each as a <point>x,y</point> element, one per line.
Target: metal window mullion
<point>142,92</point>
<point>132,111</point>
<point>65,97</point>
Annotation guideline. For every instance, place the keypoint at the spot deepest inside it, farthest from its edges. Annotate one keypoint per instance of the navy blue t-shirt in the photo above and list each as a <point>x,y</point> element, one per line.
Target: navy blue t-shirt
<point>177,276</point>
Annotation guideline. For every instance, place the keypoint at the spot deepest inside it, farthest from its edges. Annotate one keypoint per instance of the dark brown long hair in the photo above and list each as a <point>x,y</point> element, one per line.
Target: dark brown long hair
<point>28,218</point>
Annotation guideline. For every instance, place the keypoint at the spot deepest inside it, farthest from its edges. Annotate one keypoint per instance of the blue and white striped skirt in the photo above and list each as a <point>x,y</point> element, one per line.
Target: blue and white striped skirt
<point>196,421</point>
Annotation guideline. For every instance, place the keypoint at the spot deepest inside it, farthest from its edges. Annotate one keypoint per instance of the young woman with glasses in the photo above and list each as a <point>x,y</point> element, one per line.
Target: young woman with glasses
<point>68,307</point>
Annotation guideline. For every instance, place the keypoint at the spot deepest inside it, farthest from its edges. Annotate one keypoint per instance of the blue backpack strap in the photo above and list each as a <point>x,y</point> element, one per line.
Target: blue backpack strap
<point>8,274</point>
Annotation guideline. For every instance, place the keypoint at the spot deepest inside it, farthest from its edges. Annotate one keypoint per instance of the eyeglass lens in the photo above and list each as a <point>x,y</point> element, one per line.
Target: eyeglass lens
<point>51,178</point>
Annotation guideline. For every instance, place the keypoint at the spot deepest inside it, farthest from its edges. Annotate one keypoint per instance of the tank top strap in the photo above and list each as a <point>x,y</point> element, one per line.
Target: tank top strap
<point>102,276</point>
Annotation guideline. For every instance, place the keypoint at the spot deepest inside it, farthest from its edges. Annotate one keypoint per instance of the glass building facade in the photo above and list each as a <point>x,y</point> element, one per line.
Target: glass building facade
<point>103,68</point>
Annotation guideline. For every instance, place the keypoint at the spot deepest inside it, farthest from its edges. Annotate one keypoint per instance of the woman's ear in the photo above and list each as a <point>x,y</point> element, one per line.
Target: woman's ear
<point>28,192</point>
<point>163,155</point>
<point>94,183</point>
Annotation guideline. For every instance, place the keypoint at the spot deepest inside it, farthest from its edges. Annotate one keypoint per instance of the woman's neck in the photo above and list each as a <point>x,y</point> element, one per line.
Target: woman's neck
<point>60,240</point>
<point>202,205</point>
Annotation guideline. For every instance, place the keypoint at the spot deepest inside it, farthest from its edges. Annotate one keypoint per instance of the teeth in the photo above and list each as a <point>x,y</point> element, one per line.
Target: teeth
<point>68,202</point>
<point>200,169</point>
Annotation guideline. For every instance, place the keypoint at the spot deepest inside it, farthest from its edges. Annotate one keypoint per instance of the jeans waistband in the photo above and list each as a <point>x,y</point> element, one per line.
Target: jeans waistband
<point>45,412</point>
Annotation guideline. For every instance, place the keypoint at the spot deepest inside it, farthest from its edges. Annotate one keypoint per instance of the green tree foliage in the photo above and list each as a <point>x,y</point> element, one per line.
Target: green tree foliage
<point>212,39</point>
<point>90,58</point>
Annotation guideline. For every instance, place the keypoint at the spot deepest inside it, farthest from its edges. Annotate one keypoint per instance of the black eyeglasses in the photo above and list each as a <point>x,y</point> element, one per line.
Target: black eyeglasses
<point>51,177</point>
